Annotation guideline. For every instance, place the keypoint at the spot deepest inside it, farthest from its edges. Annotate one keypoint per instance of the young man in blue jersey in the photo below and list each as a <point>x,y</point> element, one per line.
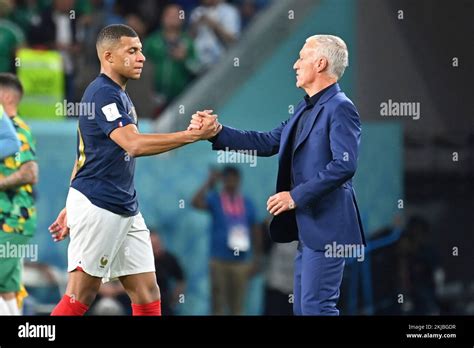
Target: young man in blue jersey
<point>108,236</point>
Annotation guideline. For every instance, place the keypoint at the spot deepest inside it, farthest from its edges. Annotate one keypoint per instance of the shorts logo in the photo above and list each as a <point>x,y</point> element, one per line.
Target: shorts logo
<point>103,261</point>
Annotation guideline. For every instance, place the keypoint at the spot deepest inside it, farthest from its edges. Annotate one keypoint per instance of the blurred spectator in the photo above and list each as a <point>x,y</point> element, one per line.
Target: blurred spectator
<point>233,231</point>
<point>168,271</point>
<point>11,37</point>
<point>18,175</point>
<point>171,51</point>
<point>57,30</point>
<point>278,274</point>
<point>136,23</point>
<point>111,300</point>
<point>215,26</point>
<point>417,265</point>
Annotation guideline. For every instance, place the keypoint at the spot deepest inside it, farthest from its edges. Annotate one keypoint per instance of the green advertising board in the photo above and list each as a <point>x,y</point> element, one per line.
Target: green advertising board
<point>41,73</point>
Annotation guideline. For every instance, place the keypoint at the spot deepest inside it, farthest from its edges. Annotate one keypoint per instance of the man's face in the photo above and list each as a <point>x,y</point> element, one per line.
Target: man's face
<point>305,68</point>
<point>128,58</point>
<point>231,182</point>
<point>170,19</point>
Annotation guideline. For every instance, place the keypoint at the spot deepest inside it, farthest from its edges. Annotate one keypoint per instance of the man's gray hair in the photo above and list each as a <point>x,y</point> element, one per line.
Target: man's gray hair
<point>334,49</point>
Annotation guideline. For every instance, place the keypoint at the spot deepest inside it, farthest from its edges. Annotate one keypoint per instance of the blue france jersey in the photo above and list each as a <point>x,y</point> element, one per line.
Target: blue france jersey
<point>105,170</point>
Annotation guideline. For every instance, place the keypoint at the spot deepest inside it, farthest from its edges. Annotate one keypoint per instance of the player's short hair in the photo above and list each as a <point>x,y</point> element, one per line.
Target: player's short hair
<point>11,81</point>
<point>112,34</point>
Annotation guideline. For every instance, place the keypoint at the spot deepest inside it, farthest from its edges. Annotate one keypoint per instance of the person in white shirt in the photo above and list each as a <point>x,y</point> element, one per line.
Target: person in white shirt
<point>215,25</point>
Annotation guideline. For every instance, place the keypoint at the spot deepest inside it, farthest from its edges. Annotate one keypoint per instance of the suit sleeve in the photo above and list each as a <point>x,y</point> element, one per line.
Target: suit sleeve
<point>9,142</point>
<point>344,138</point>
<point>265,143</point>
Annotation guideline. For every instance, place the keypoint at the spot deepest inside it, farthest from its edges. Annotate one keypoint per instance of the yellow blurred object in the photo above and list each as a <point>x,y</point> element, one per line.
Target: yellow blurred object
<point>10,163</point>
<point>7,228</point>
<point>20,296</point>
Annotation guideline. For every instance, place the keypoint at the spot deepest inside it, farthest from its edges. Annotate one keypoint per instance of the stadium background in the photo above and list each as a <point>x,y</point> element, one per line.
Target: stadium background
<point>400,158</point>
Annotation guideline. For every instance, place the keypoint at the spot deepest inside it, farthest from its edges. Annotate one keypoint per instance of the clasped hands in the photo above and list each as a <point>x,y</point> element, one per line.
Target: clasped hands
<point>204,125</point>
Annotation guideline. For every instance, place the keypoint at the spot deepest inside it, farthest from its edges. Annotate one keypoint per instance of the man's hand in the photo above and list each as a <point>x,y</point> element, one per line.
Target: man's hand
<point>204,124</point>
<point>58,228</point>
<point>280,203</point>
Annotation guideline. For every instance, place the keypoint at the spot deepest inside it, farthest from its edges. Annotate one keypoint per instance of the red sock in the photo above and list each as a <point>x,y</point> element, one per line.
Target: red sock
<point>68,306</point>
<point>153,308</point>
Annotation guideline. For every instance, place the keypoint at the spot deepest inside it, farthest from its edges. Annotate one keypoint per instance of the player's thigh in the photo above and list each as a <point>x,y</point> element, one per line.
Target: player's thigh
<point>96,235</point>
<point>135,255</point>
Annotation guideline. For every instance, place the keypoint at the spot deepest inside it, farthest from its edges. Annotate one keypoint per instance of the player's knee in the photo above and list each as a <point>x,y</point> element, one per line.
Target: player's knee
<point>144,293</point>
<point>84,296</point>
<point>152,292</point>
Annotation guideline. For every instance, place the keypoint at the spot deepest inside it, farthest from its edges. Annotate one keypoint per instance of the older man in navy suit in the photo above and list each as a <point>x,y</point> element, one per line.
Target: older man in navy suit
<point>318,149</point>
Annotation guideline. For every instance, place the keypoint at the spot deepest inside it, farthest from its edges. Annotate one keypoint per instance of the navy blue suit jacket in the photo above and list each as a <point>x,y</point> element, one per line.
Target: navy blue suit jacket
<point>323,164</point>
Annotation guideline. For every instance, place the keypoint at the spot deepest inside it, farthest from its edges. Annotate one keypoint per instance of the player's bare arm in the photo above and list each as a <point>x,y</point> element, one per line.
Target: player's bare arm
<point>26,175</point>
<point>138,144</point>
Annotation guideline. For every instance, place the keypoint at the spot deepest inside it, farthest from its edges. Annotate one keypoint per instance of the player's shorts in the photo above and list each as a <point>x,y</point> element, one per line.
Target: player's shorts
<point>11,263</point>
<point>104,244</point>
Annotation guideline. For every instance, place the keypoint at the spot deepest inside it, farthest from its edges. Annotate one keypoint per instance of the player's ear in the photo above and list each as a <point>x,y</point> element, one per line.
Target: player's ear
<point>108,56</point>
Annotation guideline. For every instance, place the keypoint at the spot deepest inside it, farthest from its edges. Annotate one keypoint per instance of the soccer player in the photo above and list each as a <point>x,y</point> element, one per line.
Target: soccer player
<point>18,174</point>
<point>108,236</point>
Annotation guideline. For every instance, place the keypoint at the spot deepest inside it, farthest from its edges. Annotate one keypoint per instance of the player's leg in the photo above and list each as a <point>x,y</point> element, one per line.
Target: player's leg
<point>11,270</point>
<point>96,235</point>
<point>82,287</point>
<point>134,265</point>
<point>81,291</point>
<point>143,292</point>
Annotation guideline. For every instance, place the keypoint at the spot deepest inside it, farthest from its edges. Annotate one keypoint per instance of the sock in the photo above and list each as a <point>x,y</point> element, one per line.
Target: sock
<point>4,310</point>
<point>153,308</point>
<point>12,306</point>
<point>67,306</point>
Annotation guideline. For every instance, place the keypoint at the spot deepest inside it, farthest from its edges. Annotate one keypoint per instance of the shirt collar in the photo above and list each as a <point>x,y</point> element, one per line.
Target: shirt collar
<point>312,101</point>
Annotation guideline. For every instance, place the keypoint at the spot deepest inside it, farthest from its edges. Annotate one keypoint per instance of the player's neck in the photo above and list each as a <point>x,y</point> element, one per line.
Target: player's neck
<point>117,78</point>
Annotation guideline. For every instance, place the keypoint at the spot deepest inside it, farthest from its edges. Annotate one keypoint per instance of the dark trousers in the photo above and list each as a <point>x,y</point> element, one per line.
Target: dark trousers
<point>317,282</point>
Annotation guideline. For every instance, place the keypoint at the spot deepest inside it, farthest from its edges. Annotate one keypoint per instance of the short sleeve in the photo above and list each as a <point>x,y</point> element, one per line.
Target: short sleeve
<point>231,20</point>
<point>9,143</point>
<point>110,111</point>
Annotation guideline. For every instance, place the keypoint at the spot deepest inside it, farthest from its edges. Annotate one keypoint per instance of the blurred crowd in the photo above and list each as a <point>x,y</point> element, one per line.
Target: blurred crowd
<point>181,39</point>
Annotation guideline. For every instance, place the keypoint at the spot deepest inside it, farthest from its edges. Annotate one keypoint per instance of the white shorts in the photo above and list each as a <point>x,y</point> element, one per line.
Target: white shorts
<point>105,244</point>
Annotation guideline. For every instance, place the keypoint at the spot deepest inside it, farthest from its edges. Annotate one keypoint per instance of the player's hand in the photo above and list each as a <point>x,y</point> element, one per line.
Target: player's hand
<point>280,203</point>
<point>197,119</point>
<point>58,228</point>
<point>205,125</point>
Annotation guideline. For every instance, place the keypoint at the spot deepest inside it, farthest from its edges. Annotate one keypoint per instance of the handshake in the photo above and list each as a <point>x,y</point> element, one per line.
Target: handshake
<point>204,125</point>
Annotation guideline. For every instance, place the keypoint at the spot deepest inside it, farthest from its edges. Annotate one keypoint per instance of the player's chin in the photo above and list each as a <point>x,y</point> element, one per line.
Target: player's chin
<point>135,76</point>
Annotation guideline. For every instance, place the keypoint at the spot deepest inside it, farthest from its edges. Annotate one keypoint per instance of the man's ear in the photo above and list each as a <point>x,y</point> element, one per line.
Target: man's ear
<point>108,56</point>
<point>321,64</point>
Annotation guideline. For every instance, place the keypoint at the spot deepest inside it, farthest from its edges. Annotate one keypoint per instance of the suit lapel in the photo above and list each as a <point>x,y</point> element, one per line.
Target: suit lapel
<point>309,124</point>
<point>291,124</point>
